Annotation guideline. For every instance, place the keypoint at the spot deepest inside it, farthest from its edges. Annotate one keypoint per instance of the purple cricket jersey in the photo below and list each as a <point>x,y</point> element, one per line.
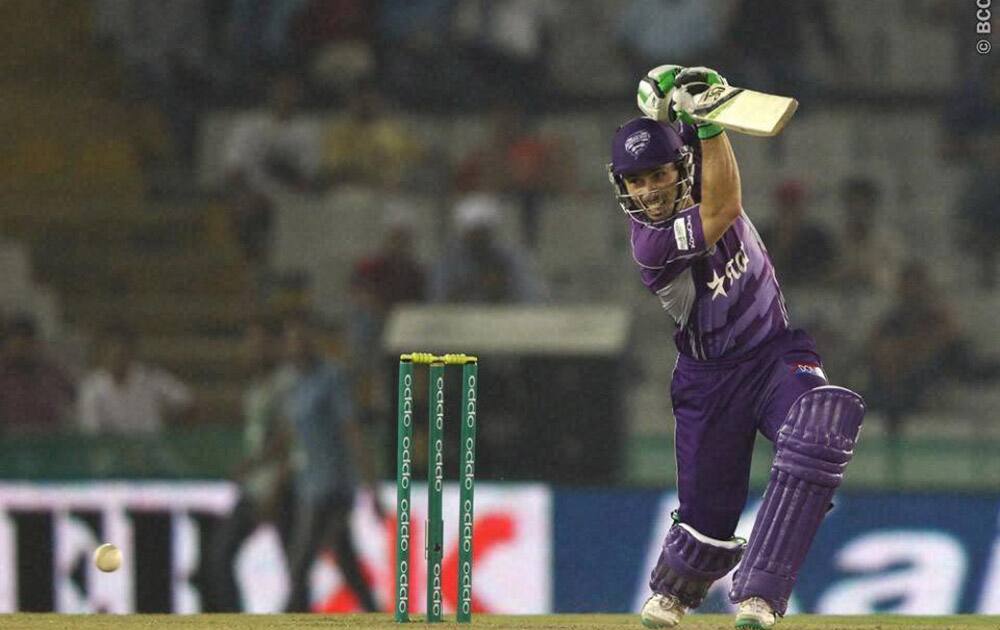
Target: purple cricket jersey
<point>725,300</point>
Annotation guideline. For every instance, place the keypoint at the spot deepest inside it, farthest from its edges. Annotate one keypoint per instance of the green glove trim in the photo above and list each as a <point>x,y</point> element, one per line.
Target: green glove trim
<point>709,130</point>
<point>666,80</point>
<point>705,130</point>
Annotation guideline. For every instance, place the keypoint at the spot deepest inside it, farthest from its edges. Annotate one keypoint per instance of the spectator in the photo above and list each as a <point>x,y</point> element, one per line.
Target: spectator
<point>976,102</point>
<point>769,46</point>
<point>380,280</point>
<point>517,161</point>
<point>335,36</point>
<point>261,32</point>
<point>265,156</point>
<point>905,354</point>
<point>476,266</point>
<point>36,396</point>
<point>915,345</point>
<point>507,41</point>
<point>166,52</point>
<point>330,451</point>
<point>418,55</point>
<point>390,150</point>
<point>803,251</point>
<point>869,258</point>
<point>979,207</point>
<point>128,397</point>
<point>392,273</point>
<point>684,32</point>
<point>265,493</point>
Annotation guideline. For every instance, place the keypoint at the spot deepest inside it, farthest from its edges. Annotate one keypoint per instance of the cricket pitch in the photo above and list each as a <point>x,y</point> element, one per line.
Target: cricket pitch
<point>27,621</point>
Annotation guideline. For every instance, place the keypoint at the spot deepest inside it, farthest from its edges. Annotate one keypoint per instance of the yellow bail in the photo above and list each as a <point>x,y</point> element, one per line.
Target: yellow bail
<point>426,358</point>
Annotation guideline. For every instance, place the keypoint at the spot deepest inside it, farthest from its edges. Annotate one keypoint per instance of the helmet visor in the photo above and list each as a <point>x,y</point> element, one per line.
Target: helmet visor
<point>659,203</point>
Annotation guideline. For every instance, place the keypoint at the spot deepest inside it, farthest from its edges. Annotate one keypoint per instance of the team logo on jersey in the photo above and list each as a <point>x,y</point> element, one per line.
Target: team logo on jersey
<point>734,270</point>
<point>684,233</point>
<point>810,368</point>
<point>680,235</point>
<point>637,142</point>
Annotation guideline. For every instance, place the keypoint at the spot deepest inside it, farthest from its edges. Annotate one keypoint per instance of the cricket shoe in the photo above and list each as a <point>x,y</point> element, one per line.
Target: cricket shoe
<point>662,611</point>
<point>755,614</point>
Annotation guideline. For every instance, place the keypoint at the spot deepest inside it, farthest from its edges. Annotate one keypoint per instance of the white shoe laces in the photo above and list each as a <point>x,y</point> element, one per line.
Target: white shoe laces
<point>662,611</point>
<point>669,602</point>
<point>756,606</point>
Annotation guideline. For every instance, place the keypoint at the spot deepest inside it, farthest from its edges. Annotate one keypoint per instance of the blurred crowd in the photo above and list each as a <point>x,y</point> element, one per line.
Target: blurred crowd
<point>304,452</point>
<point>364,63</point>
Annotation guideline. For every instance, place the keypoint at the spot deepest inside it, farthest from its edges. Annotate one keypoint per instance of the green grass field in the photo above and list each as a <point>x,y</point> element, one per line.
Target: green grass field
<point>535,622</point>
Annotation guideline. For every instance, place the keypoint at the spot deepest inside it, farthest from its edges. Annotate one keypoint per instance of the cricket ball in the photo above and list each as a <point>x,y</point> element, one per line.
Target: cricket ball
<point>107,558</point>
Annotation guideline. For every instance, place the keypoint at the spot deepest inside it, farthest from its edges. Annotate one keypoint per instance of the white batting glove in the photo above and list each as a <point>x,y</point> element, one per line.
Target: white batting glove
<point>655,92</point>
<point>689,83</point>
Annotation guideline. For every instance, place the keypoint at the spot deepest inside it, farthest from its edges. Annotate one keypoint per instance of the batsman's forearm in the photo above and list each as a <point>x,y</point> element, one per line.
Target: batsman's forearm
<point>720,177</point>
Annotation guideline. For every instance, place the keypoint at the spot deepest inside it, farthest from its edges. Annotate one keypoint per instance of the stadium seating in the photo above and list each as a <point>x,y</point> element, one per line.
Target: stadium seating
<point>72,192</point>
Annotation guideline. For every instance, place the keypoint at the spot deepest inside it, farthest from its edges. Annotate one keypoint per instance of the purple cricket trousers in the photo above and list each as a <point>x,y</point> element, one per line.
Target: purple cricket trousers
<point>719,406</point>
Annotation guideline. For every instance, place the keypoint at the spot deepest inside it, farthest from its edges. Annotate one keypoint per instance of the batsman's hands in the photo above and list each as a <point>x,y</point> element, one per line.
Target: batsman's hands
<point>688,85</point>
<point>655,91</point>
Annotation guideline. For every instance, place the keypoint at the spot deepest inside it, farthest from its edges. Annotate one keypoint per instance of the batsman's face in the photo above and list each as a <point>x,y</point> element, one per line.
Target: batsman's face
<point>654,190</point>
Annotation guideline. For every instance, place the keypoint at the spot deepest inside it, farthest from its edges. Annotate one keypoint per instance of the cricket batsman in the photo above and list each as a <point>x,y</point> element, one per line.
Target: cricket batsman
<point>742,368</point>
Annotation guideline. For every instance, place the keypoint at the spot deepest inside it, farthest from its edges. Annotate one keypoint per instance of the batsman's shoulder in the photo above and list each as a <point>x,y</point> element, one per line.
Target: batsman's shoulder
<point>647,252</point>
<point>654,246</point>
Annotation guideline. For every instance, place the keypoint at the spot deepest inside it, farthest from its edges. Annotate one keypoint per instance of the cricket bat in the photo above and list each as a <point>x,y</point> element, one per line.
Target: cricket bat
<point>744,111</point>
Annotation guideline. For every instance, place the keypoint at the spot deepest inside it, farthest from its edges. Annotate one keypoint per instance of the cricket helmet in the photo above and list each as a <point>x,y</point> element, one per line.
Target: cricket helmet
<point>642,144</point>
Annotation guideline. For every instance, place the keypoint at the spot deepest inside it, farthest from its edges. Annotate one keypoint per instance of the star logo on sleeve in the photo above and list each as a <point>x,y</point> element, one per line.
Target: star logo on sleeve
<point>716,285</point>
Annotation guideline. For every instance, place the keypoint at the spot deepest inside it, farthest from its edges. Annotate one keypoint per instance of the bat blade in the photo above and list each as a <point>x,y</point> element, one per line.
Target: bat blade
<point>745,111</point>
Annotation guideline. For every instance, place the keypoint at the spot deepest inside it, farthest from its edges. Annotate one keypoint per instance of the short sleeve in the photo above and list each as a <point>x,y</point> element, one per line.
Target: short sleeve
<point>681,238</point>
<point>664,251</point>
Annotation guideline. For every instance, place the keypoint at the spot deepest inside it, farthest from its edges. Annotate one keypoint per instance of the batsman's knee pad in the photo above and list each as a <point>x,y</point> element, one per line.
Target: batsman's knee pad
<point>690,562</point>
<point>815,445</point>
<point>817,440</point>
